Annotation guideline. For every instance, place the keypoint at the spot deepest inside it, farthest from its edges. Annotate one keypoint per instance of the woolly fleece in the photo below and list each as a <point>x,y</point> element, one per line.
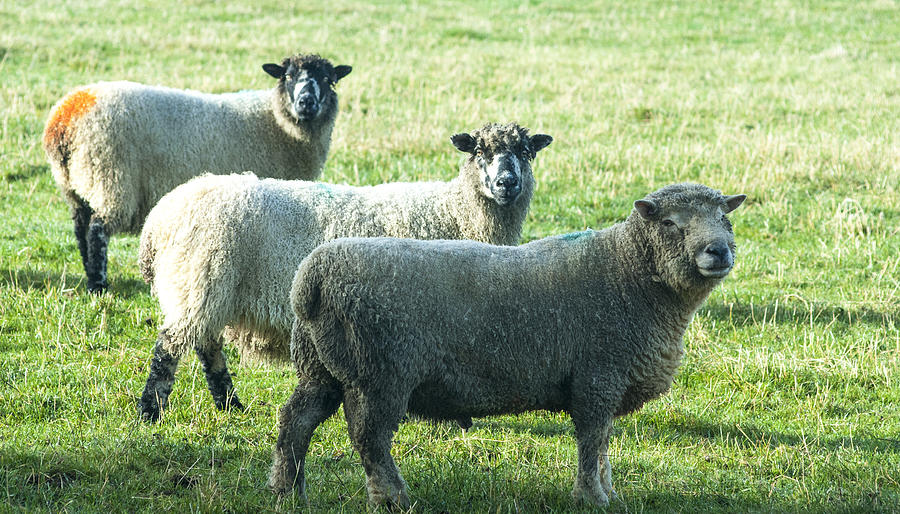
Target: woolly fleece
<point>138,142</point>
<point>221,250</point>
<point>115,148</point>
<point>589,323</point>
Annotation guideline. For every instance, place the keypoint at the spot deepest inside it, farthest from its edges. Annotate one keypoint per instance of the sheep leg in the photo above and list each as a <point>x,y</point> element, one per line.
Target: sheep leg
<point>592,436</point>
<point>217,377</point>
<point>606,471</point>
<point>97,242</point>
<point>310,405</point>
<point>372,420</point>
<point>159,382</point>
<point>81,216</point>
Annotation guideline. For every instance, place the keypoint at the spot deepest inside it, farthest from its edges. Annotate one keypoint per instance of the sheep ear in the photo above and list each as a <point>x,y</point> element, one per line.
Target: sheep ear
<point>273,69</point>
<point>646,208</point>
<point>463,142</point>
<point>341,71</point>
<point>540,141</point>
<point>733,202</point>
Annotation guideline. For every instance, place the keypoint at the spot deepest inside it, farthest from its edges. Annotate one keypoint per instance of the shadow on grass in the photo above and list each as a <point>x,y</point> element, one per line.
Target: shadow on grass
<point>538,426</point>
<point>693,426</point>
<point>33,280</point>
<point>151,472</point>
<point>55,472</point>
<point>28,171</point>
<point>754,435</point>
<point>60,476</point>
<point>745,314</point>
<point>144,471</point>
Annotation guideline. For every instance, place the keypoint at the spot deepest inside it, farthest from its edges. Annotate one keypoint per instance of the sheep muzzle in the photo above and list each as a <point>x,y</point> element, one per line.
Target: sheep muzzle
<point>306,101</point>
<point>715,260</point>
<point>502,178</point>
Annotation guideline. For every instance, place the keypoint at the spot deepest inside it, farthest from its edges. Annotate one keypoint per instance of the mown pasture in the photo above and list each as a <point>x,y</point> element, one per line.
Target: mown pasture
<point>789,395</point>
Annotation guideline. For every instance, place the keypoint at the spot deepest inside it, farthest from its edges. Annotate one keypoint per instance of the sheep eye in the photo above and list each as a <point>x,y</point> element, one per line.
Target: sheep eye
<point>479,152</point>
<point>668,223</point>
<point>287,77</point>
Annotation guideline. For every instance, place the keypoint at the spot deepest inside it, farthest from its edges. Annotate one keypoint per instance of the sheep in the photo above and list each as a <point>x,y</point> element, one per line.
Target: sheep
<point>589,323</point>
<point>115,148</point>
<point>220,251</point>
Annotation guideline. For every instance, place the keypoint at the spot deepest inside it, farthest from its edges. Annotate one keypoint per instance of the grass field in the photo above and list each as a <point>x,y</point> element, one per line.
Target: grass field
<point>789,395</point>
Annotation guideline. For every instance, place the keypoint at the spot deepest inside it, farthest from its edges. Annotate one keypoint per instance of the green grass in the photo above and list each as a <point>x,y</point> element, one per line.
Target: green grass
<point>789,395</point>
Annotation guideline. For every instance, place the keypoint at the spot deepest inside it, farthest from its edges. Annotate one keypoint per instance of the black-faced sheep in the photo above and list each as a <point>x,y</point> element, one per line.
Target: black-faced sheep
<point>589,323</point>
<point>115,148</point>
<point>220,251</point>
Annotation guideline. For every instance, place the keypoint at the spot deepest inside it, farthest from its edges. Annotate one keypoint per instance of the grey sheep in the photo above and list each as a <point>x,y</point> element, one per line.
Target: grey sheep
<point>115,148</point>
<point>220,251</point>
<point>589,323</point>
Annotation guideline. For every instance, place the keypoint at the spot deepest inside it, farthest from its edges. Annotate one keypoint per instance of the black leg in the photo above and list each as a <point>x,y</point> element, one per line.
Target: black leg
<point>159,382</point>
<point>97,242</point>
<point>81,216</point>
<point>217,377</point>
<point>464,423</point>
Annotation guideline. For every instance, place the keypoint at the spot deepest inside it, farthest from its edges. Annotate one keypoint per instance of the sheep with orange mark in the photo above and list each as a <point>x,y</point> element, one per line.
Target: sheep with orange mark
<point>115,148</point>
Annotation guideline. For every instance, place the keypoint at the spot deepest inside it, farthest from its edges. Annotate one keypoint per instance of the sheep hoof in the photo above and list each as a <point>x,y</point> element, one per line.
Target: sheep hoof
<point>149,415</point>
<point>594,497</point>
<point>283,488</point>
<point>390,497</point>
<point>400,502</point>
<point>231,404</point>
<point>97,288</point>
<point>149,410</point>
<point>464,423</point>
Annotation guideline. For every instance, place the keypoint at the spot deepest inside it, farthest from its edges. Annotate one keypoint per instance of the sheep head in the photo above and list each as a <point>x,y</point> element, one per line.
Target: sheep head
<point>502,154</point>
<point>688,235</point>
<point>306,83</point>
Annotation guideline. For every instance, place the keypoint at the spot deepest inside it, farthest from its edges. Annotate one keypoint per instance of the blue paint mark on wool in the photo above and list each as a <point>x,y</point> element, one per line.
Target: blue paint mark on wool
<point>575,235</point>
<point>324,190</point>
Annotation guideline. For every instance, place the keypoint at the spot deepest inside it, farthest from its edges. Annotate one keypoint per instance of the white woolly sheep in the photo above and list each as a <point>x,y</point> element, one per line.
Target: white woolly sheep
<point>220,251</point>
<point>115,148</point>
<point>589,323</point>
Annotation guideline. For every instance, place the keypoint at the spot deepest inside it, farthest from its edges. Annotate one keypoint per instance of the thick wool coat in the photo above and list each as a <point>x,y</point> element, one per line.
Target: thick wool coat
<point>120,146</point>
<point>222,250</point>
<point>590,323</point>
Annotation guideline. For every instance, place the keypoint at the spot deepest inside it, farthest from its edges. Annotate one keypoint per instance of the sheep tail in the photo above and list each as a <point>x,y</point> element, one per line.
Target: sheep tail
<point>306,290</point>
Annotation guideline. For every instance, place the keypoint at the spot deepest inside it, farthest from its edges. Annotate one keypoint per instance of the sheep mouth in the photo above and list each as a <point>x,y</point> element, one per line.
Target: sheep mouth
<point>719,272</point>
<point>505,195</point>
<point>306,113</point>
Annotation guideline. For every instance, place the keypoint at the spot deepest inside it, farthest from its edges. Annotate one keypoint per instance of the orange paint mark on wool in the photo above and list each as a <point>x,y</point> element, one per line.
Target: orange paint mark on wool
<point>70,109</point>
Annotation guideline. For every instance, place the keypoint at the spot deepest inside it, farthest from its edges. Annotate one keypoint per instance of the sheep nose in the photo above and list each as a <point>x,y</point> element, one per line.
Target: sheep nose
<point>719,251</point>
<point>306,106</point>
<point>715,259</point>
<point>506,180</point>
<point>306,100</point>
